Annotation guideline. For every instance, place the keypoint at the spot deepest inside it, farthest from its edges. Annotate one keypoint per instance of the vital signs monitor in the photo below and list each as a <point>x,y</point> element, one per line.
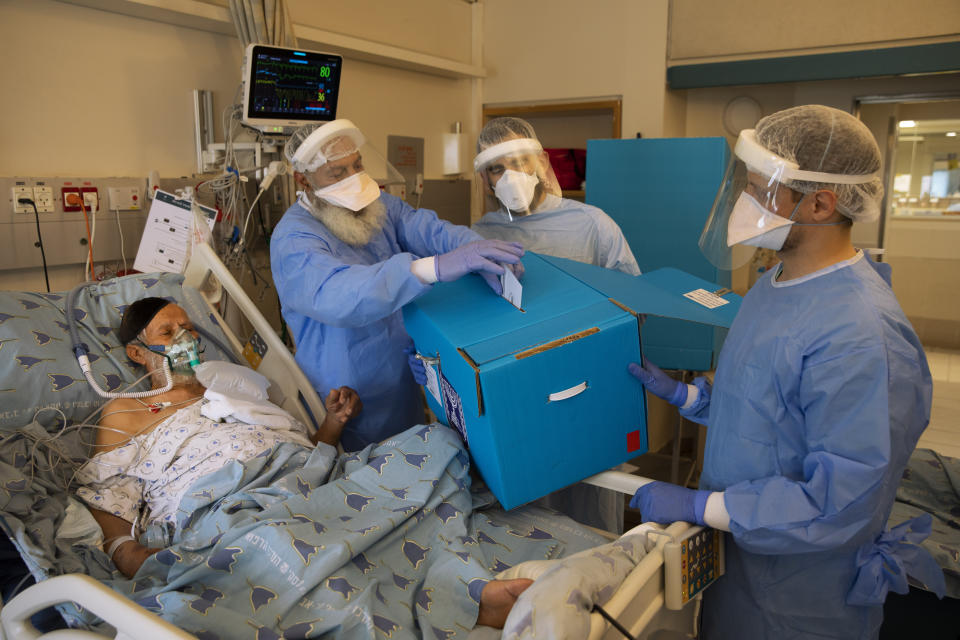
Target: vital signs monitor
<point>286,88</point>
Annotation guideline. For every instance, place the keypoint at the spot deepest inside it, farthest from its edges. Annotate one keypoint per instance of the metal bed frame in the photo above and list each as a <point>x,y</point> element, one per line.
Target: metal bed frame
<point>638,605</point>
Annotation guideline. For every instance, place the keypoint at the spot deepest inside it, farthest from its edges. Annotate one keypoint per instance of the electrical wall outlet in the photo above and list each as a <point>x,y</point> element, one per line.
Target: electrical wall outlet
<point>91,199</point>
<point>65,193</point>
<point>124,198</point>
<point>43,196</point>
<point>21,191</point>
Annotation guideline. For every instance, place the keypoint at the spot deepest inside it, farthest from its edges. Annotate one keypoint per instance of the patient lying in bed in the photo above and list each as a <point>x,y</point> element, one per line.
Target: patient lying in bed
<point>151,451</point>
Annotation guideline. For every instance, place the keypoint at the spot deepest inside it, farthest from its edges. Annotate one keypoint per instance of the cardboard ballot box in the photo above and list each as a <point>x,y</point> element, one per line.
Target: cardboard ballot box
<point>541,394</point>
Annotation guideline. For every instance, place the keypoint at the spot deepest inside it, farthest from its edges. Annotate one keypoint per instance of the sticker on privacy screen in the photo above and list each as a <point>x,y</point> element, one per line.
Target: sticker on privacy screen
<point>453,407</point>
<point>705,298</point>
<point>433,382</point>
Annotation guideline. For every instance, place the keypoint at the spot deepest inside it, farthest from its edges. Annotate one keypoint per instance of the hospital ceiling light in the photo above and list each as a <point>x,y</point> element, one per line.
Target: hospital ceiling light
<point>908,124</point>
<point>951,134</point>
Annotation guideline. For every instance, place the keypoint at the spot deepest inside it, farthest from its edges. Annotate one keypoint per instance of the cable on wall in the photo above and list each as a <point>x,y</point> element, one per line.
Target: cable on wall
<point>43,254</point>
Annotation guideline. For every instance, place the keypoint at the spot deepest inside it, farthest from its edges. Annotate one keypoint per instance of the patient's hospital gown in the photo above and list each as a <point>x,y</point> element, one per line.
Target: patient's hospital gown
<point>343,305</point>
<point>821,392</point>
<point>154,470</point>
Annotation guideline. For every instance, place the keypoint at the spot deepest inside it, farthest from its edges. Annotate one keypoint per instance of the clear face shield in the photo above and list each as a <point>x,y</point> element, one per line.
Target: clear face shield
<point>341,166</point>
<point>516,176</point>
<point>757,202</point>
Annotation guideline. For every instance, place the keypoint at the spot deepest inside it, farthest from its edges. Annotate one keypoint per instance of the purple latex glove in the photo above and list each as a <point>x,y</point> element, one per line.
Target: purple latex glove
<point>664,503</point>
<point>658,383</point>
<point>417,368</point>
<point>480,257</point>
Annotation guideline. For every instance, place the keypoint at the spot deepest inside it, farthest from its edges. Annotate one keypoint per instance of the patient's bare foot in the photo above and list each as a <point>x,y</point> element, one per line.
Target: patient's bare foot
<point>498,598</point>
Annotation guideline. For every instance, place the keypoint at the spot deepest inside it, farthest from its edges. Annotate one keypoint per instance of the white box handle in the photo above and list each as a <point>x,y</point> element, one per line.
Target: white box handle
<point>568,393</point>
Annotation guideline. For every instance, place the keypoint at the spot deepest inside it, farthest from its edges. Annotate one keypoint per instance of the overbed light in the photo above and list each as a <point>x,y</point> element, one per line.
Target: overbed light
<point>907,124</point>
<point>951,134</point>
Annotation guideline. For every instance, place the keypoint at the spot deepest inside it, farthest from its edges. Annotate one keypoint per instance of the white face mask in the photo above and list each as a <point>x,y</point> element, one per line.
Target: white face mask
<point>352,193</point>
<point>752,224</point>
<point>515,189</point>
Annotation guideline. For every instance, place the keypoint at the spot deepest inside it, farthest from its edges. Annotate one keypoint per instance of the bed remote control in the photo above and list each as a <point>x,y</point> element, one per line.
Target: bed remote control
<point>691,564</point>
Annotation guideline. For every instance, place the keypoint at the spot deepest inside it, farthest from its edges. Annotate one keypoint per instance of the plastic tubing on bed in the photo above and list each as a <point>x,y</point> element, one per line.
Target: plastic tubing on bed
<point>80,351</point>
<point>88,374</point>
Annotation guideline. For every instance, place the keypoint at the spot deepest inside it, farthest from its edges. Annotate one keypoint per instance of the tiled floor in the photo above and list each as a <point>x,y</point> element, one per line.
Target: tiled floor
<point>943,433</point>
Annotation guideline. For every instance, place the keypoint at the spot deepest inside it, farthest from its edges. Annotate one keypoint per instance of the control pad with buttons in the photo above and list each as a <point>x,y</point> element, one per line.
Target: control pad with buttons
<point>692,563</point>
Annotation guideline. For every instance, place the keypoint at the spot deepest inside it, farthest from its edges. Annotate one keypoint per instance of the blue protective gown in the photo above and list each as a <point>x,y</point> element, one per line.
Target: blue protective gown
<point>343,304</point>
<point>577,231</point>
<point>565,229</point>
<point>821,392</point>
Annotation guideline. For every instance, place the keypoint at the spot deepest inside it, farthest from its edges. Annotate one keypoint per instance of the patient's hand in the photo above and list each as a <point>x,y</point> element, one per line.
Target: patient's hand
<point>497,599</point>
<point>342,405</point>
<point>130,555</point>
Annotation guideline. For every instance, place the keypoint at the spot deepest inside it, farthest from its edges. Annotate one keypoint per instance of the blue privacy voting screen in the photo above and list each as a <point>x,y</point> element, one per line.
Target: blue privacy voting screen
<point>660,192</point>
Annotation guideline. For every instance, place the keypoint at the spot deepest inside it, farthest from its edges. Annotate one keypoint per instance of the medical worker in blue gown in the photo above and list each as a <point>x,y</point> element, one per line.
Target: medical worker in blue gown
<point>346,258</point>
<point>523,201</point>
<point>821,392</point>
<point>524,204</point>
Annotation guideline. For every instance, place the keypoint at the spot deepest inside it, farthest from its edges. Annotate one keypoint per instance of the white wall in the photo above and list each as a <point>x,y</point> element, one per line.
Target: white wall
<point>701,31</point>
<point>436,27</point>
<point>95,93</point>
<point>541,50</point>
<point>926,276</point>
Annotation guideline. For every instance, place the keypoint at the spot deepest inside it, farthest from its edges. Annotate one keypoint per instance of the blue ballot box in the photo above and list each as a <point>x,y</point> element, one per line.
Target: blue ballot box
<point>541,395</point>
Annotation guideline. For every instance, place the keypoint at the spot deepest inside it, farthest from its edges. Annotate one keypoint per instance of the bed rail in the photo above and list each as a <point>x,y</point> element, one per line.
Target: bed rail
<point>266,352</point>
<point>639,603</point>
<point>130,620</point>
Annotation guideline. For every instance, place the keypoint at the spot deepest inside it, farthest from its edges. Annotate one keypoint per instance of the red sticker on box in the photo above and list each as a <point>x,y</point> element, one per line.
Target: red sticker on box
<point>633,440</point>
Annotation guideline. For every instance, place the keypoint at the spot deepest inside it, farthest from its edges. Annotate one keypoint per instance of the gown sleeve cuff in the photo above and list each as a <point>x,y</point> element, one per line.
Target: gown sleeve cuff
<point>424,269</point>
<point>692,394</point>
<point>715,514</point>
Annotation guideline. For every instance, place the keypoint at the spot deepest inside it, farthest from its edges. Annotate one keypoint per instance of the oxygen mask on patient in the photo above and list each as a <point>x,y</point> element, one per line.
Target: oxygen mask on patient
<point>183,352</point>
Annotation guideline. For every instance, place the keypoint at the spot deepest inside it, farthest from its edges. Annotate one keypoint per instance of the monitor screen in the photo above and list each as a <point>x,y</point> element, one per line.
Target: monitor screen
<point>290,87</point>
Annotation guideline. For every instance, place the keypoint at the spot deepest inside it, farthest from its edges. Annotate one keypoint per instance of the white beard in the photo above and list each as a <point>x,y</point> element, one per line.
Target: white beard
<point>354,228</point>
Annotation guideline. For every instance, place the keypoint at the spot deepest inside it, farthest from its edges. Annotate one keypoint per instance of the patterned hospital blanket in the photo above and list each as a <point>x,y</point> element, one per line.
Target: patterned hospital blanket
<point>931,484</point>
<point>390,542</point>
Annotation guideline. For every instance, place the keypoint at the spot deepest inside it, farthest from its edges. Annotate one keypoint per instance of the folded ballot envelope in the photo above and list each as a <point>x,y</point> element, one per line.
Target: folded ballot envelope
<point>541,394</point>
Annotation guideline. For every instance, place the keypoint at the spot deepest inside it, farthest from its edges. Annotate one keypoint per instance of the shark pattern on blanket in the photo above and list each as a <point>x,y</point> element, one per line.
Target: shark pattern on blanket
<point>284,546</point>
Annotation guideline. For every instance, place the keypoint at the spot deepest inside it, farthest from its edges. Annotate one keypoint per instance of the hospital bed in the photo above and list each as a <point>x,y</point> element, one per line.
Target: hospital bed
<point>48,375</point>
